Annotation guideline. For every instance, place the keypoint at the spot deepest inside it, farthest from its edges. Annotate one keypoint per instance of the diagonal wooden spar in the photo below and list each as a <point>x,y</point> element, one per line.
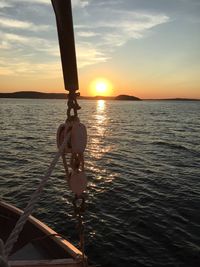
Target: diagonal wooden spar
<point>64,20</point>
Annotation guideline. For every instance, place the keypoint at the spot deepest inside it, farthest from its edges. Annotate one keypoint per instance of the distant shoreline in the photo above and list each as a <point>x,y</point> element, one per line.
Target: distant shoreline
<point>40,95</point>
<point>172,99</point>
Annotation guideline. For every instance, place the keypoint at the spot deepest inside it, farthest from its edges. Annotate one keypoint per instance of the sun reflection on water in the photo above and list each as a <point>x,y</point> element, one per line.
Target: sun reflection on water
<point>99,148</point>
<point>100,105</point>
<point>100,128</point>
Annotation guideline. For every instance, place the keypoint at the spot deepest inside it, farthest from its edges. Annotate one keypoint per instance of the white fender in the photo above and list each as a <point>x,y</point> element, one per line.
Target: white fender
<point>78,138</point>
<point>78,182</point>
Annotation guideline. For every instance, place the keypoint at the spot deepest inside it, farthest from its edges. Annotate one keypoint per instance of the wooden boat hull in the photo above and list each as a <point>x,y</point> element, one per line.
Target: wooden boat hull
<point>38,245</point>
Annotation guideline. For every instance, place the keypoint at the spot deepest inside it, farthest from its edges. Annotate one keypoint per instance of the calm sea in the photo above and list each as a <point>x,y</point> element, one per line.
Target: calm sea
<point>143,167</point>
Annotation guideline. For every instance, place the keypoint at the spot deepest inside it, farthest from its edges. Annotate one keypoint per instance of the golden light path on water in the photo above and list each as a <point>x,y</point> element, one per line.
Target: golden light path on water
<point>99,128</point>
<point>98,147</point>
<point>100,105</point>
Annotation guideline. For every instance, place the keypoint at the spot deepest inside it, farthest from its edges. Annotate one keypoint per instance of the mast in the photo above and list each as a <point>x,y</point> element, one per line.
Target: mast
<point>75,131</point>
<point>64,20</point>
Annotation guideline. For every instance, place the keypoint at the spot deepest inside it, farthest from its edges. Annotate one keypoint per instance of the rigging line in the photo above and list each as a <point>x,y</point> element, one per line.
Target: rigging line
<point>30,206</point>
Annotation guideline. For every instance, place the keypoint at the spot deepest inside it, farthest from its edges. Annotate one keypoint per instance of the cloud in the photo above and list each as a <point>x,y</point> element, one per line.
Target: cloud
<point>89,55</point>
<point>20,62</point>
<point>75,3</point>
<point>46,2</point>
<point>99,32</point>
<point>114,28</point>
<point>11,23</point>
<point>27,68</point>
<point>80,3</point>
<point>15,42</point>
<point>87,34</point>
<point>131,26</point>
<point>24,25</point>
<point>4,4</point>
<point>108,3</point>
<point>11,2</point>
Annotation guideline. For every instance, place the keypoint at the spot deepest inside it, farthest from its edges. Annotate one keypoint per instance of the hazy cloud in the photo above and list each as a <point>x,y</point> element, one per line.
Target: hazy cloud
<point>89,55</point>
<point>87,34</point>
<point>99,31</point>
<point>26,68</point>
<point>46,2</point>
<point>75,3</point>
<point>23,25</point>
<point>33,45</point>
<point>80,3</point>
<point>115,28</point>
<point>4,4</point>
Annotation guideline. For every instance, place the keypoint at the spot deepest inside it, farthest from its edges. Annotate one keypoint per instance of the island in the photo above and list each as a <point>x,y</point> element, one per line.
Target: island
<point>127,97</point>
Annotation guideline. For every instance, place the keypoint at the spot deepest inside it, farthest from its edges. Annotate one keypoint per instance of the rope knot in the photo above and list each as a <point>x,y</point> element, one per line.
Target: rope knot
<point>72,103</point>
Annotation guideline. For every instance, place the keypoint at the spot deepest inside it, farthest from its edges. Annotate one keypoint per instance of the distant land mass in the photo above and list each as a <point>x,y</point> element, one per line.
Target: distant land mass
<point>127,97</point>
<point>39,95</point>
<point>32,94</point>
<point>177,99</point>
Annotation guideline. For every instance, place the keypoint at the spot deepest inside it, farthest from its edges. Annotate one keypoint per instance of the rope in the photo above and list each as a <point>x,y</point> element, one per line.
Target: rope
<point>3,261</point>
<point>65,166</point>
<point>30,206</point>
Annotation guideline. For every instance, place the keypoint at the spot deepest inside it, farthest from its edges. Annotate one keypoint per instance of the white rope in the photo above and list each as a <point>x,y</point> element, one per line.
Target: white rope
<point>30,206</point>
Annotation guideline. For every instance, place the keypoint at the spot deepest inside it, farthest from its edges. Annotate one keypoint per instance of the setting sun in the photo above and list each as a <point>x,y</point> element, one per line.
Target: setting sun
<point>101,87</point>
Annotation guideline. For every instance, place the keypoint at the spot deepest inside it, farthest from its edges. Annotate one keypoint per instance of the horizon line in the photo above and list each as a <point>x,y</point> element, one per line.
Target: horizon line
<point>100,96</point>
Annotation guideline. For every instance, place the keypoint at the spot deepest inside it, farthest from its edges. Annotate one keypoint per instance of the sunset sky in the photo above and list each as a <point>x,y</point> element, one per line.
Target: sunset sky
<point>146,48</point>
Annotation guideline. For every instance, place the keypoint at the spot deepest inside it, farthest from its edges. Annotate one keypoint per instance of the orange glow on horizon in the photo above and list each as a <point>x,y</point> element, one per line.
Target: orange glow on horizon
<point>111,86</point>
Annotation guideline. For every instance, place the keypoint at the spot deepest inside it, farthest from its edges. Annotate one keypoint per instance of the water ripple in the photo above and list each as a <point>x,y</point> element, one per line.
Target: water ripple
<point>143,172</point>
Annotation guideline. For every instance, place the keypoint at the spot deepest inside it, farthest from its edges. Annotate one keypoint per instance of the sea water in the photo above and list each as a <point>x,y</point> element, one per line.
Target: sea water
<point>143,167</point>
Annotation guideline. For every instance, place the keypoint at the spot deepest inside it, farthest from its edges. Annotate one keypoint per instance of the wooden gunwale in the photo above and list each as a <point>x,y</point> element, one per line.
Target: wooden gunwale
<point>76,255</point>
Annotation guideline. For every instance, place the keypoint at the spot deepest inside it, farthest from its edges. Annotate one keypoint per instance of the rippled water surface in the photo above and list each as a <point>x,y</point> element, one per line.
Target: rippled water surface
<point>143,166</point>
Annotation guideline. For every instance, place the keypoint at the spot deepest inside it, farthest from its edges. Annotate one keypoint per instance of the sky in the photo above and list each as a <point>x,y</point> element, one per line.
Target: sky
<point>145,48</point>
